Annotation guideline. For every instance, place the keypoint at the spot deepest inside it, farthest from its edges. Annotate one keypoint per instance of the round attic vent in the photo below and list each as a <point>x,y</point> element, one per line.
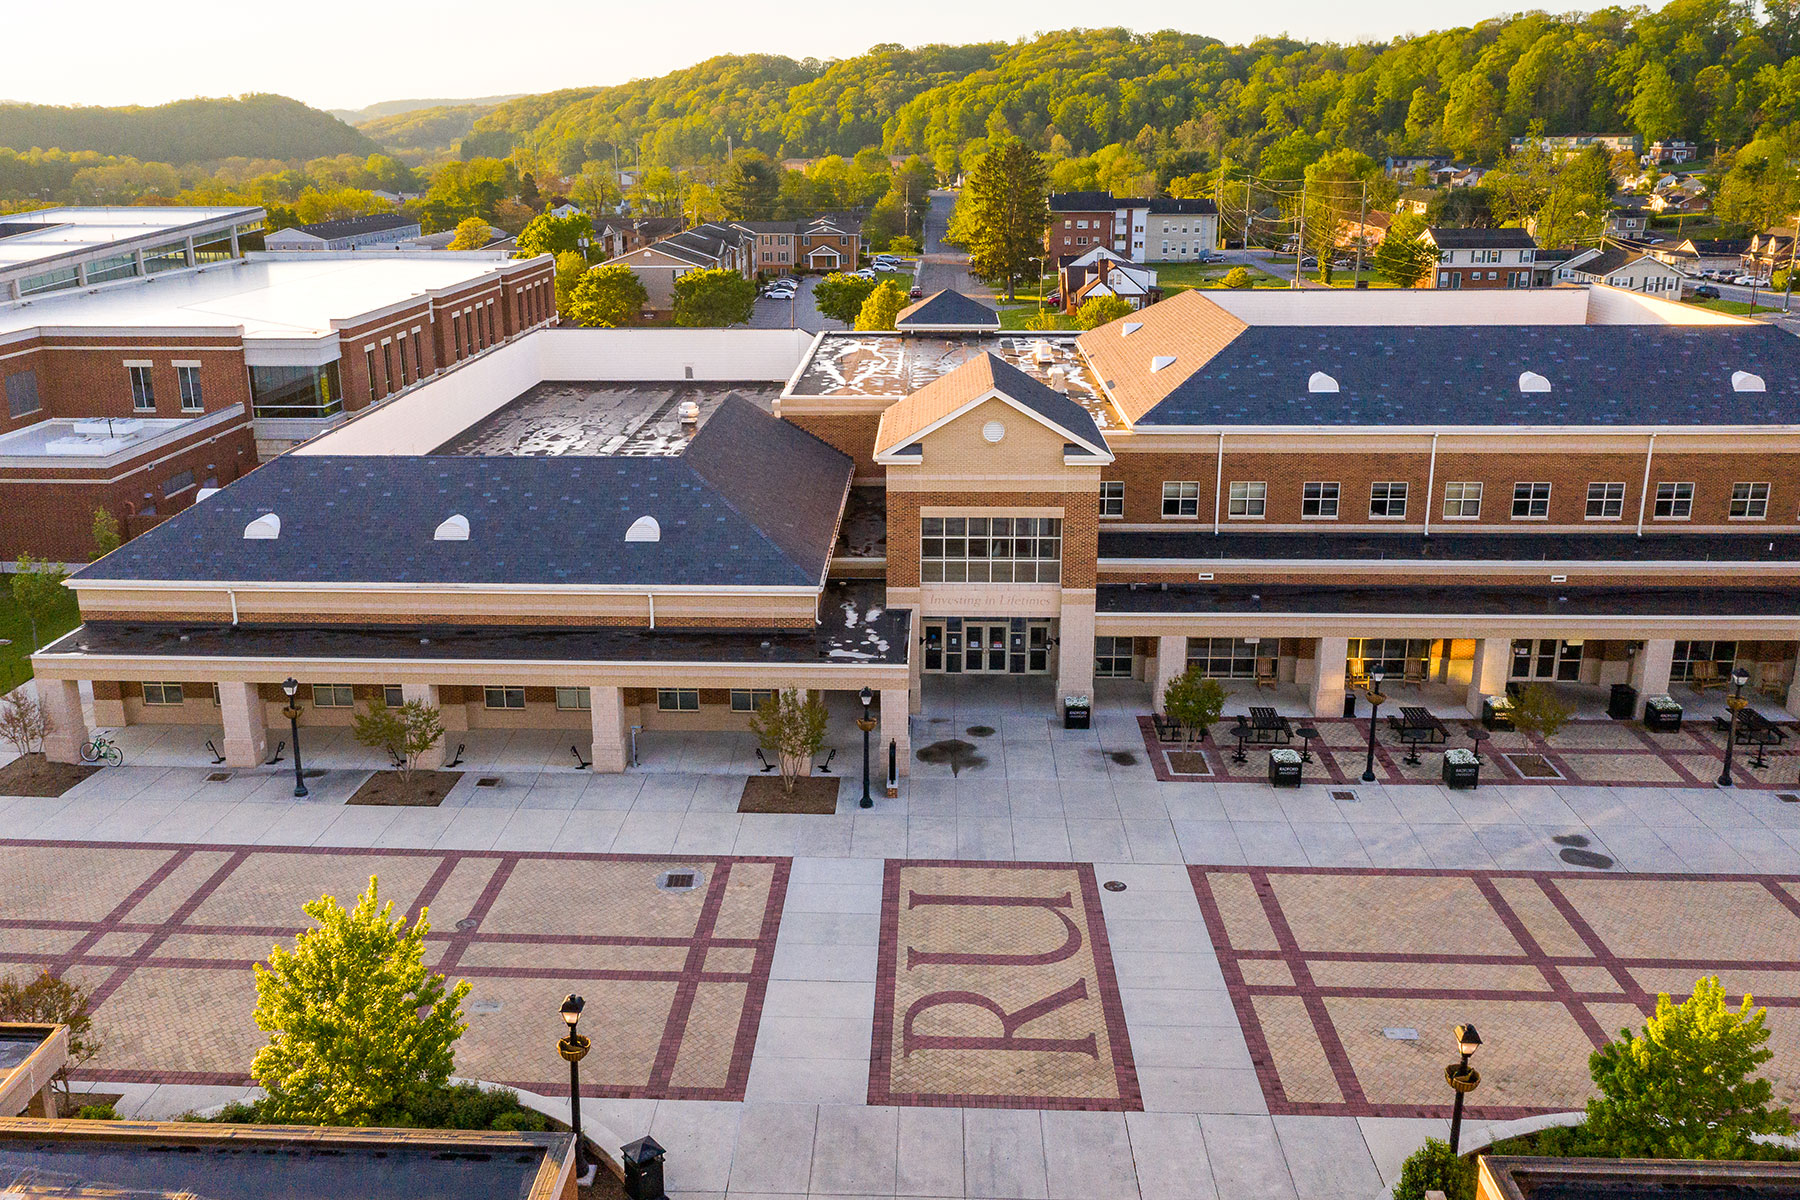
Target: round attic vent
<point>993,431</point>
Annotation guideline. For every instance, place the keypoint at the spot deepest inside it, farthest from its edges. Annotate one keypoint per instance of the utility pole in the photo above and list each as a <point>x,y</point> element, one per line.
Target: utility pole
<point>1787,294</point>
<point>1362,234</point>
<point>1300,240</point>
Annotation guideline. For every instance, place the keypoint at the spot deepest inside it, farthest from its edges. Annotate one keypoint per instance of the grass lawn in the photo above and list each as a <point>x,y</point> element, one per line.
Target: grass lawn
<point>15,655</point>
<point>1372,277</point>
<point>1014,317</point>
<point>1737,308</point>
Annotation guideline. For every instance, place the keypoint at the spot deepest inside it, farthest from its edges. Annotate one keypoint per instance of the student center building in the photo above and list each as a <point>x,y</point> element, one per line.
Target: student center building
<point>613,530</point>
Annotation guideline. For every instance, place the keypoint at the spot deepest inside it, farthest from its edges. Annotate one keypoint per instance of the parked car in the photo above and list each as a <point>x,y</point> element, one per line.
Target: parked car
<point>1705,291</point>
<point>917,293</point>
<point>1054,299</point>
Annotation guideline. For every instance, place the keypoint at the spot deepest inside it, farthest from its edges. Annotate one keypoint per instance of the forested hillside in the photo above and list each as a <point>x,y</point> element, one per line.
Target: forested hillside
<point>187,131</point>
<point>423,133</point>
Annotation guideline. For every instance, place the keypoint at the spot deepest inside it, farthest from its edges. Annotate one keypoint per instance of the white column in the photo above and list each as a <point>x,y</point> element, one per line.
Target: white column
<point>427,693</point>
<point>1650,671</point>
<point>1487,675</point>
<point>61,699</point>
<point>1075,647</point>
<point>895,727</point>
<point>1329,656</point>
<point>246,726</point>
<point>1171,661</point>
<point>612,739</point>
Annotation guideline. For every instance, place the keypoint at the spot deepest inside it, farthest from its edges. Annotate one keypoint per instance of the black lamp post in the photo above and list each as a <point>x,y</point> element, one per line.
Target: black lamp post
<point>866,723</point>
<point>1736,704</point>
<point>291,688</point>
<point>1376,675</point>
<point>574,1048</point>
<point>1462,1078</point>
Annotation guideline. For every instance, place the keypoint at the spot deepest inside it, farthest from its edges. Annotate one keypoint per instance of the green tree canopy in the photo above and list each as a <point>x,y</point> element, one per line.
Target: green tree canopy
<point>841,296</point>
<point>471,234</point>
<point>1404,257</point>
<point>1098,310</point>
<point>882,306</point>
<point>751,187</point>
<point>607,297</point>
<point>1006,214</point>
<point>713,298</point>
<point>555,235</point>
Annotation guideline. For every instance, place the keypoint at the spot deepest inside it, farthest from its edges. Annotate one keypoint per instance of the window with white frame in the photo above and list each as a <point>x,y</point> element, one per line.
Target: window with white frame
<point>1112,658</point>
<point>1387,501</point>
<point>1181,499</point>
<point>1247,499</point>
<point>503,697</point>
<point>187,379</point>
<point>1749,501</point>
<point>1229,657</point>
<point>1674,501</point>
<point>393,695</point>
<point>1605,501</point>
<point>163,693</point>
<point>1721,654</point>
<point>574,699</point>
<point>1112,497</point>
<point>1319,500</point>
<point>1462,501</point>
<point>143,388</point>
<point>333,695</point>
<point>677,700</point>
<point>749,700</point>
<point>1531,501</point>
<point>990,549</point>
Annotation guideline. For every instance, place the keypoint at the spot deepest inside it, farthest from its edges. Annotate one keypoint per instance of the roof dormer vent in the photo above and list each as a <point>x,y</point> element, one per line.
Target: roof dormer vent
<point>1319,381</point>
<point>644,529</point>
<point>1744,381</point>
<point>265,528</point>
<point>1129,328</point>
<point>1531,381</point>
<point>454,529</point>
<point>1161,361</point>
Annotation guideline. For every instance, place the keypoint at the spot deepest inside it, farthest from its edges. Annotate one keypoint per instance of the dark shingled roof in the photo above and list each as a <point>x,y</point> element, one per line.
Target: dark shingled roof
<point>1081,202</point>
<point>1481,239</point>
<point>1450,375</point>
<point>350,226</point>
<point>753,503</point>
<point>1044,400</point>
<point>948,308</point>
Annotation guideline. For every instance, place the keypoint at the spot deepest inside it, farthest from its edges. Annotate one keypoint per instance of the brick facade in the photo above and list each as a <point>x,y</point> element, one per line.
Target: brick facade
<point>1080,528</point>
<point>1067,236</point>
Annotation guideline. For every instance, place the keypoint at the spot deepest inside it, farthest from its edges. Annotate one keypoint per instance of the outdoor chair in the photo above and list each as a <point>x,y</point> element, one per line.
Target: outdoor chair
<point>1265,672</point>
<point>1771,681</point>
<point>1703,675</point>
<point>1356,673</point>
<point>1415,671</point>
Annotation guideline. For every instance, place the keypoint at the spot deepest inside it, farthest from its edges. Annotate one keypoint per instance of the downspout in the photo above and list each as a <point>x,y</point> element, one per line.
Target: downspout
<point>234,616</point>
<point>1644,490</point>
<point>1219,483</point>
<point>651,596</point>
<point>1430,484</point>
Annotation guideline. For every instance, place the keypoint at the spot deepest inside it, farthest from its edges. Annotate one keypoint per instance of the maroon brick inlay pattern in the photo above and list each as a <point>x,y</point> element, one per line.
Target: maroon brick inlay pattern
<point>1019,991</point>
<point>243,862</point>
<point>1669,759</point>
<point>1381,904</point>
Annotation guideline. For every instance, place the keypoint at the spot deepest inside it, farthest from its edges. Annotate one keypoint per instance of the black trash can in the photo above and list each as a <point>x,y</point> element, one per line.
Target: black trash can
<point>1349,705</point>
<point>1078,712</point>
<point>643,1163</point>
<point>1622,705</point>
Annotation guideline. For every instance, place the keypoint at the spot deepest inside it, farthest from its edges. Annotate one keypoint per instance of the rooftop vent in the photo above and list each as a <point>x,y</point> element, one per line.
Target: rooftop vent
<point>1161,361</point>
<point>644,529</point>
<point>1531,381</point>
<point>203,493</point>
<point>1043,353</point>
<point>1744,381</point>
<point>265,528</point>
<point>454,529</point>
<point>1129,328</point>
<point>1319,381</point>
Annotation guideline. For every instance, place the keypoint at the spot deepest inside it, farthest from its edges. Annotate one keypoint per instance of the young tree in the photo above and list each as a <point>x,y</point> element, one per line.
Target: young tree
<point>1237,277</point>
<point>607,297</point>
<point>1537,709</point>
<point>1195,700</point>
<point>841,296</point>
<point>713,298</point>
<point>555,235</point>
<point>471,234</point>
<point>570,267</point>
<point>359,1029</point>
<point>24,722</point>
<point>1434,1167</point>
<point>408,731</point>
<point>107,536</point>
<point>882,306</point>
<point>38,587</point>
<point>1687,1086</point>
<point>1098,310</point>
<point>751,187</point>
<point>904,244</point>
<point>791,726</point>
<point>1008,212</point>
<point>1404,257</point>
<point>48,999</point>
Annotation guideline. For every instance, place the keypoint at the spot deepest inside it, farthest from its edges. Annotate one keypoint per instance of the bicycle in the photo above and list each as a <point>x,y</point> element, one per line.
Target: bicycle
<point>102,749</point>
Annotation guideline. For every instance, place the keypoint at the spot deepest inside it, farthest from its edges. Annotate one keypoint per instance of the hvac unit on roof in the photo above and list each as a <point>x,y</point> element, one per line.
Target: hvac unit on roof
<point>265,528</point>
<point>1042,352</point>
<point>1744,381</point>
<point>644,529</point>
<point>453,529</point>
<point>1319,381</point>
<point>1531,381</point>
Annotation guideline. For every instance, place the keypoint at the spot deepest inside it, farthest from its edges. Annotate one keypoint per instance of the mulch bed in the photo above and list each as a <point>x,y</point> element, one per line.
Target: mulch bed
<point>425,789</point>
<point>34,775</point>
<point>816,794</point>
<point>1188,762</point>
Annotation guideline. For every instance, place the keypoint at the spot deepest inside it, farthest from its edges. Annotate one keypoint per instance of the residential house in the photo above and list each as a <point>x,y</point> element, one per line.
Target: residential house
<point>383,231</point>
<point>1465,177</point>
<point>1628,268</point>
<point>1103,272</point>
<point>1157,229</point>
<point>565,210</point>
<point>1671,152</point>
<point>1629,217</point>
<point>1404,166</point>
<point>1481,258</point>
<point>1678,200</point>
<point>1697,256</point>
<point>1366,232</point>
<point>1079,221</point>
<point>1771,250</point>
<point>1175,230</point>
<point>1415,200</point>
<point>825,243</point>
<point>1550,267</point>
<point>1576,143</point>
<point>703,248</point>
<point>621,235</point>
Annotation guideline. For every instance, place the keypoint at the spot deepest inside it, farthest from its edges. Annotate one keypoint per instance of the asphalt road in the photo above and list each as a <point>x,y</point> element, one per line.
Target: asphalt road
<point>945,266</point>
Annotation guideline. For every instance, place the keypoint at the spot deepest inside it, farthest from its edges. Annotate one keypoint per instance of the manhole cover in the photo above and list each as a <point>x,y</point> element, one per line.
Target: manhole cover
<point>679,879</point>
<point>218,777</point>
<point>1114,885</point>
<point>1350,796</point>
<point>1400,1033</point>
<point>488,781</point>
<point>483,1006</point>
<point>466,924</point>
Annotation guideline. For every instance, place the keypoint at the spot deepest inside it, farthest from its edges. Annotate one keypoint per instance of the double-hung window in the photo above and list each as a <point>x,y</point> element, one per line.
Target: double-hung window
<point>143,389</point>
<point>677,700</point>
<point>1387,501</point>
<point>1319,500</point>
<point>1112,498</point>
<point>503,697</point>
<point>1247,500</point>
<point>1462,501</point>
<point>749,700</point>
<point>1674,502</point>
<point>333,695</point>
<point>1181,500</point>
<point>1531,501</point>
<point>187,377</point>
<point>1749,501</point>
<point>574,699</point>
<point>162,693</point>
<point>1605,501</point>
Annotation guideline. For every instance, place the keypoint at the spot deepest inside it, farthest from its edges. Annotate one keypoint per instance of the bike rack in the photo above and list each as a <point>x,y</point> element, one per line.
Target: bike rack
<point>825,767</point>
<point>767,766</point>
<point>581,764</point>
<point>218,759</point>
<point>279,747</point>
<point>456,759</point>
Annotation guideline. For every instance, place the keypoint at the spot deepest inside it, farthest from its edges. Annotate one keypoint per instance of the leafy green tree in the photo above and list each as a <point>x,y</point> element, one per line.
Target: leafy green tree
<point>1237,277</point>
<point>607,297</point>
<point>841,296</point>
<point>37,586</point>
<point>751,187</point>
<point>408,731</point>
<point>1537,709</point>
<point>713,298</point>
<point>1434,1167</point>
<point>471,234</point>
<point>1657,106</point>
<point>905,244</point>
<point>1404,257</point>
<point>106,533</point>
<point>1008,211</point>
<point>546,234</point>
<point>1195,700</point>
<point>881,307</point>
<point>49,999</point>
<point>360,1030</point>
<point>570,267</point>
<point>1098,310</point>
<point>1687,1087</point>
<point>791,725</point>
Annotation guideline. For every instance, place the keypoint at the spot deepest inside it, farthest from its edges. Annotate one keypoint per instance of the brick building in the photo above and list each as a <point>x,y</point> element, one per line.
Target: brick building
<point>1481,258</point>
<point>1139,230</point>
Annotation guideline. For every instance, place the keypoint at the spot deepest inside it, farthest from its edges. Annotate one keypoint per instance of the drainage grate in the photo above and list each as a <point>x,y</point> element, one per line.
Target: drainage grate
<point>218,777</point>
<point>482,1006</point>
<point>1114,885</point>
<point>488,781</point>
<point>680,879</point>
<point>466,924</point>
<point>1350,796</point>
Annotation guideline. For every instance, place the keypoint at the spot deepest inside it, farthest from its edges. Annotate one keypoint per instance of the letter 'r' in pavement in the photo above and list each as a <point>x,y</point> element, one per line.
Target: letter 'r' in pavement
<point>1010,1023</point>
<point>1050,904</point>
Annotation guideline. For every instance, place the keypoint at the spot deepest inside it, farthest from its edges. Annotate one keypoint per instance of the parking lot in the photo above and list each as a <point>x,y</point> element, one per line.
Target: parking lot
<point>800,312</point>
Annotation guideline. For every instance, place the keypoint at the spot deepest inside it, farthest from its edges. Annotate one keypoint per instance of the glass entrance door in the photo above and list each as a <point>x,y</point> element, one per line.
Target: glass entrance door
<point>934,645</point>
<point>986,647</point>
<point>1547,658</point>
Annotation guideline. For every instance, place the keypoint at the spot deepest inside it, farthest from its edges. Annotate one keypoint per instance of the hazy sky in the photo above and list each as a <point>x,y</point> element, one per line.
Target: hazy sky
<point>336,54</point>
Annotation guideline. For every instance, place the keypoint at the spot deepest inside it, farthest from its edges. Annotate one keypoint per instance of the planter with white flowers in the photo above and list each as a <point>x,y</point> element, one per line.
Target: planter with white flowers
<point>1662,712</point>
<point>1461,768</point>
<point>1284,768</point>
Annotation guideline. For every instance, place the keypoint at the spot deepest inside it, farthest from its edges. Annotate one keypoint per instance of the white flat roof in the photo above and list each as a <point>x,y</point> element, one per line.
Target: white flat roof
<point>52,233</point>
<point>269,296</point>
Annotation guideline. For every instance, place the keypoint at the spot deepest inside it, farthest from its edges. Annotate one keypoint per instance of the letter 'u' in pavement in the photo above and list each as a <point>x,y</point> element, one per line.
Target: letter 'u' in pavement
<point>1050,904</point>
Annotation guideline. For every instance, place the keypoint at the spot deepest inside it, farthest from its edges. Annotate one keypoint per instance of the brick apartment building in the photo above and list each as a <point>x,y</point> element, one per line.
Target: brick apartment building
<point>1481,258</point>
<point>1158,229</point>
